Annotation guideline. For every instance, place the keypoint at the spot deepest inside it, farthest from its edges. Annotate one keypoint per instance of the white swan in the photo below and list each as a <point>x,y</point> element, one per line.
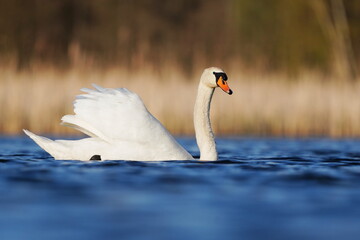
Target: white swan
<point>121,128</point>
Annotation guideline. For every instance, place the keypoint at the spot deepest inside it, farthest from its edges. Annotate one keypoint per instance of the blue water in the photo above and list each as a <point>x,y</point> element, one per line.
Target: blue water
<point>262,188</point>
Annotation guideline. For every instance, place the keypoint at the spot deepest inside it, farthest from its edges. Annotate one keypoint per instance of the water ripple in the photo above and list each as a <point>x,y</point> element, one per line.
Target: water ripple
<point>259,187</point>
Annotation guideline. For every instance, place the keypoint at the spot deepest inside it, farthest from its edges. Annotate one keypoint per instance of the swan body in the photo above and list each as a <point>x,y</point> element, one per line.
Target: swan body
<point>120,127</point>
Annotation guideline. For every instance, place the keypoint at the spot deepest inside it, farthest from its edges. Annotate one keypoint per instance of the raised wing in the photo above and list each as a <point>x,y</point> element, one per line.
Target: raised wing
<point>113,114</point>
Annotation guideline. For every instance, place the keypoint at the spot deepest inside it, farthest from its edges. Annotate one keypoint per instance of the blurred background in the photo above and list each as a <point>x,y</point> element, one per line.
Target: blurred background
<point>293,65</point>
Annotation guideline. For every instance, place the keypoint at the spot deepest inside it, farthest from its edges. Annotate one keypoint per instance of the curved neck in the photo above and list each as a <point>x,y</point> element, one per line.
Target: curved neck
<point>204,134</point>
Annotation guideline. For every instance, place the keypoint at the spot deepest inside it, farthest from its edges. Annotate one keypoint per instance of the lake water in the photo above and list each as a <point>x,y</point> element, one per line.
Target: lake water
<point>262,188</point>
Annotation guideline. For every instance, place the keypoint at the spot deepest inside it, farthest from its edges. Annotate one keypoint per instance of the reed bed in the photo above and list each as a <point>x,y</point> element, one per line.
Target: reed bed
<point>261,104</point>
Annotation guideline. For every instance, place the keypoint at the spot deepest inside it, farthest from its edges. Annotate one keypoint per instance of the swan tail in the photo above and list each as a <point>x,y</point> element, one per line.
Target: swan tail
<point>41,141</point>
<point>47,144</point>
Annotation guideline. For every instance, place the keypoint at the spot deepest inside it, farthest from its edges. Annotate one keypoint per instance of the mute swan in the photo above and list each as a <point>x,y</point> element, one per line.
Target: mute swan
<point>121,128</point>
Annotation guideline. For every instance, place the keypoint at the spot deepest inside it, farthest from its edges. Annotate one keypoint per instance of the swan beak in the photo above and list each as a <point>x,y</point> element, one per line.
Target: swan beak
<point>224,86</point>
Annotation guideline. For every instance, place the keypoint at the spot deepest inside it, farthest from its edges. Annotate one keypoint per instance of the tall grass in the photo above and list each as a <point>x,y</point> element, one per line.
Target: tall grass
<point>260,105</point>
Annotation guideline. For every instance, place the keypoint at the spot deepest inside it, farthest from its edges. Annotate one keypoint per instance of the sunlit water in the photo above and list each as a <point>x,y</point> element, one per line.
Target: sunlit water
<point>260,189</point>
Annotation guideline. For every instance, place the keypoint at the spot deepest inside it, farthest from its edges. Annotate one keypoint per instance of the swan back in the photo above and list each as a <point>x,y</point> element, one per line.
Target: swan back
<point>119,116</point>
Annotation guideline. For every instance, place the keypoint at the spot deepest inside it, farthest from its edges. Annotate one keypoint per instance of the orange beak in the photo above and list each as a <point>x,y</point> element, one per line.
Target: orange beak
<point>224,86</point>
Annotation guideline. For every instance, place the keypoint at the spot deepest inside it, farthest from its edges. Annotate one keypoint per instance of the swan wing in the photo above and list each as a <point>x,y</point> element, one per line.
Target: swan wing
<point>119,115</point>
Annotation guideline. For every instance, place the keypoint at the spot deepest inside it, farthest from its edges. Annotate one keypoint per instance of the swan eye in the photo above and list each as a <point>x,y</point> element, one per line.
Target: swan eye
<point>220,74</point>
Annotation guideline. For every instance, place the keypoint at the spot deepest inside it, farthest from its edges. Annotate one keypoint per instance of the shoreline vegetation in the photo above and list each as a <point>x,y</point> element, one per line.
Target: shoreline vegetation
<point>262,104</point>
<point>293,65</point>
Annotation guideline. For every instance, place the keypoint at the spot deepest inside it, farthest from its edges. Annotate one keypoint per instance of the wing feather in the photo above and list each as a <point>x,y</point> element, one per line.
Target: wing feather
<point>113,114</point>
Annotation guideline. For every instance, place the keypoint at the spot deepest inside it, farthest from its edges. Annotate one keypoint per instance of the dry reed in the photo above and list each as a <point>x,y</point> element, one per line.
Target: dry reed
<point>260,105</point>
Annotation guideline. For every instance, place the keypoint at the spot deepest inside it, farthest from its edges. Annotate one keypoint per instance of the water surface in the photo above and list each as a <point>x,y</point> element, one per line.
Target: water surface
<point>261,188</point>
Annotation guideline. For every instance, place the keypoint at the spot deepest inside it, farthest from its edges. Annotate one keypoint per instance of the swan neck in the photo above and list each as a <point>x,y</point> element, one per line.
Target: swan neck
<point>203,131</point>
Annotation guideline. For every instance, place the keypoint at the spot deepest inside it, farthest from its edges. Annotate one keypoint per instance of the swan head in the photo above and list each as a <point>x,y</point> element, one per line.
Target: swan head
<point>215,77</point>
